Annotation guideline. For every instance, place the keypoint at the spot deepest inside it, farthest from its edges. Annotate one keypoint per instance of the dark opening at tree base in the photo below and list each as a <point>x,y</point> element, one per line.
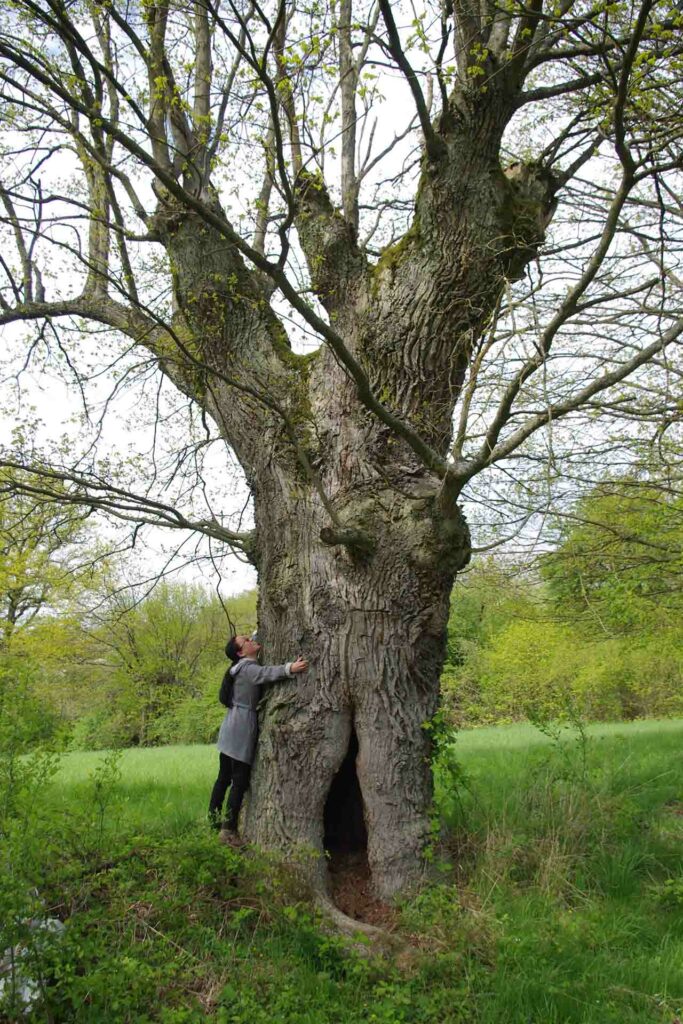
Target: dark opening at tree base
<point>344,822</point>
<point>346,845</point>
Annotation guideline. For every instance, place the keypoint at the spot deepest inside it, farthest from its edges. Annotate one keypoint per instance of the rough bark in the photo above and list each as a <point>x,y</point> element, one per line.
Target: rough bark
<point>365,598</point>
<point>374,629</point>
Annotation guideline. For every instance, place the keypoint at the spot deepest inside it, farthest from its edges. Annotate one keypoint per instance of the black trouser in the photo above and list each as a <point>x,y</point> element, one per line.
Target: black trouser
<point>220,788</point>
<point>229,771</point>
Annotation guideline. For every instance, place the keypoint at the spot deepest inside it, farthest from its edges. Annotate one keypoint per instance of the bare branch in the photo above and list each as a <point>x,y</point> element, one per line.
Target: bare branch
<point>97,493</point>
<point>27,273</point>
<point>433,143</point>
<point>580,398</point>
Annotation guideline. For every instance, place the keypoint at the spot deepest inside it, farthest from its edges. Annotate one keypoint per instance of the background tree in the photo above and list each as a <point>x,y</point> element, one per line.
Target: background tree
<point>590,628</point>
<point>42,558</point>
<point>48,564</point>
<point>403,273</point>
<point>157,663</point>
<point>619,563</point>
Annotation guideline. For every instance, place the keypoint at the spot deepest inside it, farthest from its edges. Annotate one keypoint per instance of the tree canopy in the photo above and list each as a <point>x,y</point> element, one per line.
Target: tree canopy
<point>618,564</point>
<point>322,151</point>
<point>44,560</point>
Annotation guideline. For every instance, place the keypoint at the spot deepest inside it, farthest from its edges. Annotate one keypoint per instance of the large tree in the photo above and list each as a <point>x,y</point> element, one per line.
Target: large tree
<point>241,153</point>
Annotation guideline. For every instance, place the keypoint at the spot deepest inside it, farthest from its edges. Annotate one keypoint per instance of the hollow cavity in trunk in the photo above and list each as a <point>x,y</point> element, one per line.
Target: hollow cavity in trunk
<point>346,842</point>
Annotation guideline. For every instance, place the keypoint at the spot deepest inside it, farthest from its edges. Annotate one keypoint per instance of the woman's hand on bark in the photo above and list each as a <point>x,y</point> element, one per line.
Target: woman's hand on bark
<point>300,665</point>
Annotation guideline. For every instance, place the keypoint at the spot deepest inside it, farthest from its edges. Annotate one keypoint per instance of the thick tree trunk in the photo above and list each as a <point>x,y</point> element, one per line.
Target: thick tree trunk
<point>343,757</point>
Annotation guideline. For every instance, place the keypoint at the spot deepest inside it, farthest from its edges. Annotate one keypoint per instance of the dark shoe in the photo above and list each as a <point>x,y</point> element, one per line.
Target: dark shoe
<point>230,837</point>
<point>215,820</point>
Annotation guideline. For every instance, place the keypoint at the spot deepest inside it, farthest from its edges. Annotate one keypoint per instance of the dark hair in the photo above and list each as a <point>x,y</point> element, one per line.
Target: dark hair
<point>232,651</point>
<point>225,694</point>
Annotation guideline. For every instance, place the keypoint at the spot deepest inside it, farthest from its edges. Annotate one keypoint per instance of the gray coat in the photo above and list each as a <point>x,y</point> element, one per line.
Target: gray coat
<point>239,730</point>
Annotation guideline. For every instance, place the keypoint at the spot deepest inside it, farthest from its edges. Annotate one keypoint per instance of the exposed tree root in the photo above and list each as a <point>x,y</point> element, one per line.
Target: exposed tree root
<point>351,904</point>
<point>342,891</point>
<point>350,926</point>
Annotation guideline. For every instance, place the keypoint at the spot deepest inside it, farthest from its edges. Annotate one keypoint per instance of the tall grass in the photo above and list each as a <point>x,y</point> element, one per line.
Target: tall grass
<point>573,843</point>
<point>557,895</point>
<point>161,789</point>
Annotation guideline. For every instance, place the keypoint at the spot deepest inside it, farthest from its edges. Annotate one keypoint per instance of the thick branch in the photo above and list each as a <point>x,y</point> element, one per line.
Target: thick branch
<point>285,87</point>
<point>263,201</point>
<point>546,92</point>
<point>335,262</point>
<point>100,308</point>
<point>202,75</point>
<point>348,79</point>
<point>98,228</point>
<point>157,18</point>
<point>201,112</point>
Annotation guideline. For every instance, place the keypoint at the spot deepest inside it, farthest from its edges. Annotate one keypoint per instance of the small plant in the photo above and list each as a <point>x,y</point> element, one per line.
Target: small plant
<point>450,776</point>
<point>569,738</point>
<point>670,893</point>
<point>104,780</point>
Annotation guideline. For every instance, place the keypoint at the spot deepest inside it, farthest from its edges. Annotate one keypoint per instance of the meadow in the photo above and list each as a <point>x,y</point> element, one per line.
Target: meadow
<point>555,893</point>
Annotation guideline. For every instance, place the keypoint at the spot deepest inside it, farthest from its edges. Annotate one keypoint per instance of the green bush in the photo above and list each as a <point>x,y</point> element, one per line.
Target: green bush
<point>192,719</point>
<point>25,721</point>
<point>539,669</point>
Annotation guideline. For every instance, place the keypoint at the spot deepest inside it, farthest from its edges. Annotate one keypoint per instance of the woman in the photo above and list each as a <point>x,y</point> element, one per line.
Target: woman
<point>238,735</point>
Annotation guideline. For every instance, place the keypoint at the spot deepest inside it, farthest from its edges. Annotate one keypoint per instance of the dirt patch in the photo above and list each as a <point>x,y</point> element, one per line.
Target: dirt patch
<point>351,891</point>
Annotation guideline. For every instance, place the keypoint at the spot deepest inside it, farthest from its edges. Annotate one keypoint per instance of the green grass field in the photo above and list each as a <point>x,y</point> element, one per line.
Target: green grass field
<point>556,896</point>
